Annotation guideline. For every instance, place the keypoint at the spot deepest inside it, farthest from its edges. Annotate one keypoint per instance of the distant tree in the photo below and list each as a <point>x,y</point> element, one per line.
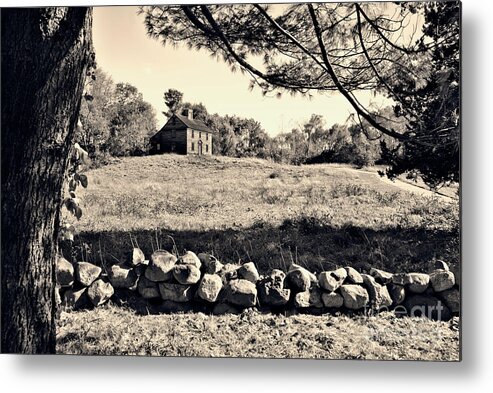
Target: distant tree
<point>173,100</point>
<point>315,124</point>
<point>133,123</point>
<point>96,113</point>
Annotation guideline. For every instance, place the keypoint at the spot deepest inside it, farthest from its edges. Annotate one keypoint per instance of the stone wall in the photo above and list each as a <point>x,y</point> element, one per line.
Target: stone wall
<point>190,282</point>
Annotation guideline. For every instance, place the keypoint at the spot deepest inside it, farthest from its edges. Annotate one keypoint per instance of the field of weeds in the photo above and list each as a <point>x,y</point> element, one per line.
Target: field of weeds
<point>320,216</point>
<point>116,331</point>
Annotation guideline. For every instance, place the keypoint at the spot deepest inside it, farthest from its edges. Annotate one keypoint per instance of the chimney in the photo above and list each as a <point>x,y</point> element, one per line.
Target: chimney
<point>188,113</point>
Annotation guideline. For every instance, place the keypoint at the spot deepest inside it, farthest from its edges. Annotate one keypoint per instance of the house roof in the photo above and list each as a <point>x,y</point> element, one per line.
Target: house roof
<point>194,124</point>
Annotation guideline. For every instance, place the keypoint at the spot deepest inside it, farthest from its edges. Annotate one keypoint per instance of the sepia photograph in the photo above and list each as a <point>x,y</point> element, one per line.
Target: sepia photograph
<point>276,181</point>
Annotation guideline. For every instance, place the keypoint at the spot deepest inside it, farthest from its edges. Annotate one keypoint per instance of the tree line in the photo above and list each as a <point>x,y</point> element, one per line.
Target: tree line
<point>116,121</point>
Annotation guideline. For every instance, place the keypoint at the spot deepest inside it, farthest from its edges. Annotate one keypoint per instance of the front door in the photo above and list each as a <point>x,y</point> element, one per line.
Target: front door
<point>200,148</point>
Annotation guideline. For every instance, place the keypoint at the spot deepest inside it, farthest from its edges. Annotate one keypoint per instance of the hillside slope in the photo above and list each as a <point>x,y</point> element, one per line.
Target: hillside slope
<point>320,216</point>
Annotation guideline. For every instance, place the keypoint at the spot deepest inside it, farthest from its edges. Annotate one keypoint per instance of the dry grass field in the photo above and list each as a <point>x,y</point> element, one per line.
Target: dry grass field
<point>320,216</point>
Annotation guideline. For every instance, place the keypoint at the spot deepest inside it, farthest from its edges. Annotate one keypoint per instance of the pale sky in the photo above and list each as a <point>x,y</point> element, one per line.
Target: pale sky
<point>125,52</point>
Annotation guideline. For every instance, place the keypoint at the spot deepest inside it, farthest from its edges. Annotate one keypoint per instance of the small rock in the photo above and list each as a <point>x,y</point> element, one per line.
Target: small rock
<point>161,266</point>
<point>309,298</point>
<point>397,293</point>
<point>64,272</point>
<point>241,293</point>
<point>229,272</point>
<point>147,289</point>
<point>137,257</point>
<point>382,277</point>
<point>189,258</point>
<point>332,300</point>
<point>379,294</point>
<point>277,278</point>
<point>249,272</point>
<point>122,276</point>
<point>209,288</point>
<point>332,280</point>
<point>86,273</point>
<point>210,263</point>
<point>224,308</point>
<point>353,276</point>
<point>355,296</point>
<point>175,292</point>
<point>451,298</point>
<point>100,292</point>
<point>440,265</point>
<point>271,295</point>
<point>442,280</point>
<point>427,306</point>
<point>186,274</point>
<point>75,299</point>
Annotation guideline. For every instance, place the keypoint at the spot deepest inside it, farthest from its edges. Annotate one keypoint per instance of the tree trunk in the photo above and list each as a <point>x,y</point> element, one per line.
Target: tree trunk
<point>45,53</point>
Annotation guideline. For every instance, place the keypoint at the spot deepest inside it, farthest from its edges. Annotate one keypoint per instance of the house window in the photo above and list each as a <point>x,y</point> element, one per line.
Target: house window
<point>200,134</point>
<point>193,146</point>
<point>206,136</point>
<point>173,133</point>
<point>207,148</point>
<point>193,133</point>
<point>158,147</point>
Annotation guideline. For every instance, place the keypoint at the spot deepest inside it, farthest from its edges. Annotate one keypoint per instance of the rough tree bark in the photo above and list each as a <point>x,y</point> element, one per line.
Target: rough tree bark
<point>45,53</point>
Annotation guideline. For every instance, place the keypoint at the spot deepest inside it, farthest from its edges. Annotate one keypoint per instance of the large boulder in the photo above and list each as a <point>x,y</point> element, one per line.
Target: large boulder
<point>175,292</point>
<point>332,280</point>
<point>161,266</point>
<point>332,300</point>
<point>64,271</point>
<point>147,289</point>
<point>442,280</point>
<point>100,292</point>
<point>451,298</point>
<point>415,282</point>
<point>249,272</point>
<point>86,273</point>
<point>353,276</point>
<point>122,276</point>
<point>382,277</point>
<point>397,293</point>
<point>186,274</point>
<point>379,294</point>
<point>241,293</point>
<point>137,257</point>
<point>427,306</point>
<point>355,296</point>
<point>298,280</point>
<point>209,288</point>
<point>75,299</point>
<point>210,264</point>
<point>311,298</point>
<point>189,258</point>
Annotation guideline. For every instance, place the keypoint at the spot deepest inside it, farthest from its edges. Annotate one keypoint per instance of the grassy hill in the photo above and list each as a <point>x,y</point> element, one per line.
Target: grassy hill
<point>320,216</point>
